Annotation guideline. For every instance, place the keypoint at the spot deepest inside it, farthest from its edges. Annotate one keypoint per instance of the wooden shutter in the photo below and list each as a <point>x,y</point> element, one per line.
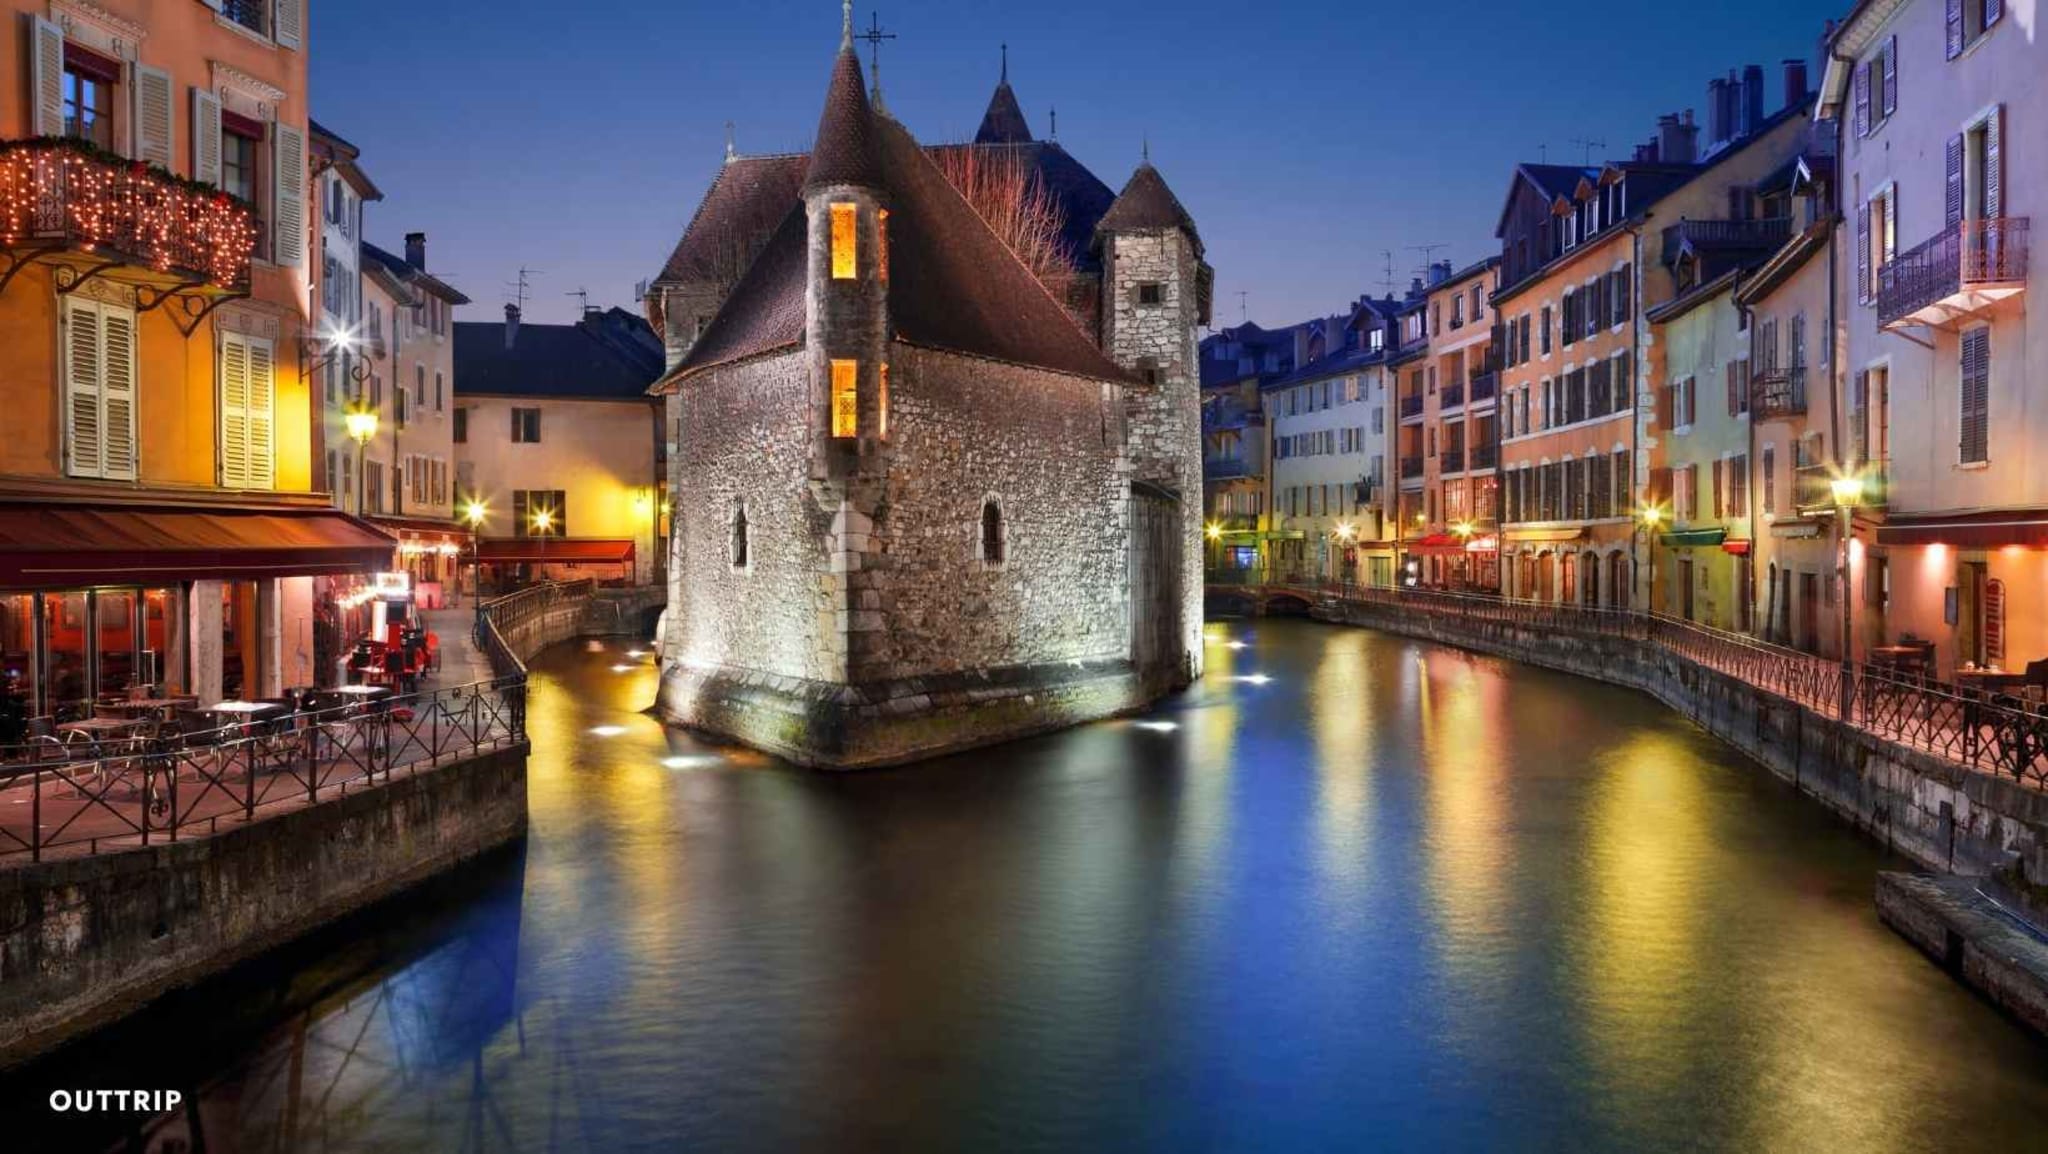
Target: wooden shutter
<point>1994,163</point>
<point>1720,467</point>
<point>1862,86</point>
<point>1994,621</point>
<point>117,392</point>
<point>1955,28</point>
<point>46,78</point>
<point>1952,203</point>
<point>84,425</point>
<point>153,132</point>
<point>234,411</point>
<point>1730,374</point>
<point>262,415</point>
<point>1890,58</point>
<point>1862,255</point>
<point>205,137</point>
<point>288,195</point>
<point>1976,386</point>
<point>290,23</point>
<point>1993,9</point>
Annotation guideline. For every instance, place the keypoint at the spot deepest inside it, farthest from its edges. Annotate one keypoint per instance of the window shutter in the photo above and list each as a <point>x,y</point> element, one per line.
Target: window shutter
<point>1862,255</point>
<point>117,393</point>
<point>1720,467</point>
<point>262,415</point>
<point>1664,406</point>
<point>84,428</point>
<point>1862,85</point>
<point>1993,9</point>
<point>205,137</point>
<point>234,412</point>
<point>288,198</point>
<point>1955,28</point>
<point>1890,58</point>
<point>290,22</point>
<point>46,78</point>
<point>1994,163</point>
<point>1732,410</point>
<point>153,132</point>
<point>1953,203</point>
<point>1975,396</point>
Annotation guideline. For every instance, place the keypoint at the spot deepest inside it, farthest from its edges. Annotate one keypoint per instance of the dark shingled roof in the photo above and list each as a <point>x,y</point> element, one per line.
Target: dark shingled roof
<point>1082,197</point>
<point>740,210</point>
<point>399,267</point>
<point>845,152</point>
<point>605,356</point>
<point>953,284</point>
<point>1003,123</point>
<point>1146,204</point>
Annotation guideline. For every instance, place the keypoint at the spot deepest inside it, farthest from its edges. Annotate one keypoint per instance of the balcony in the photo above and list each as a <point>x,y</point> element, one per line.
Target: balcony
<point>91,215</point>
<point>1485,455</point>
<point>1778,392</point>
<point>1972,265</point>
<point>1453,396</point>
<point>1411,407</point>
<point>1453,460</point>
<point>1411,468</point>
<point>1757,234</point>
<point>1484,387</point>
<point>1226,468</point>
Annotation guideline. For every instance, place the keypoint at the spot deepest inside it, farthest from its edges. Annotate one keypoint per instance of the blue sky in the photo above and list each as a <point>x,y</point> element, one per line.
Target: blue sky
<point>1306,136</point>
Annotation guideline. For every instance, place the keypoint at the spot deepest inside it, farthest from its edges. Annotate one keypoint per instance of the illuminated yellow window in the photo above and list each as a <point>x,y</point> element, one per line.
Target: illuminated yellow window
<point>842,241</point>
<point>845,398</point>
<point>882,405</point>
<point>882,253</point>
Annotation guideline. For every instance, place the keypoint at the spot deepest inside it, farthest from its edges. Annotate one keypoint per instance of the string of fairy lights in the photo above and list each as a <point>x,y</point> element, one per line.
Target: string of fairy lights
<point>58,187</point>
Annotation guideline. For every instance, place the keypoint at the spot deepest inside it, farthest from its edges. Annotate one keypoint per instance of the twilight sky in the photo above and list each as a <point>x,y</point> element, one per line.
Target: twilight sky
<point>1306,136</point>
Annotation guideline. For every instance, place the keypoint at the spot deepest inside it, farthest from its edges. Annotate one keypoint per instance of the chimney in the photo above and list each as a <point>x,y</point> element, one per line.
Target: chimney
<point>416,250</point>
<point>1414,287</point>
<point>1795,83</point>
<point>1752,97</point>
<point>511,318</point>
<point>1677,139</point>
<point>1717,111</point>
<point>1439,272</point>
<point>1300,345</point>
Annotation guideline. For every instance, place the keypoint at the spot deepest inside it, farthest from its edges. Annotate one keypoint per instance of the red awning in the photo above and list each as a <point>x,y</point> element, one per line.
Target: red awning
<point>1739,548</point>
<point>1437,545</point>
<point>55,546</point>
<point>556,550</point>
<point>1991,530</point>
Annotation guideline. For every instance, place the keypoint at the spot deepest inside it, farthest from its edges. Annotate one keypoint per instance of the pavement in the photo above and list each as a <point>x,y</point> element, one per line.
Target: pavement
<point>462,663</point>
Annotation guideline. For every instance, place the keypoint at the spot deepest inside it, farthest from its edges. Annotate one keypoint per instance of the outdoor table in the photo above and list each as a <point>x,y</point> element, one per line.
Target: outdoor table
<point>151,708</point>
<point>101,728</point>
<point>360,690</point>
<point>1989,680</point>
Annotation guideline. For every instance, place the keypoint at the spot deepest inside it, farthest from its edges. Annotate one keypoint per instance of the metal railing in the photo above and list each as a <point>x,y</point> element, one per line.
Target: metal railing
<point>90,797</point>
<point>1990,732</point>
<point>1778,392</point>
<point>1411,406</point>
<point>1770,232</point>
<point>1484,386</point>
<point>1963,255</point>
<point>1486,455</point>
<point>62,193</point>
<point>513,610</point>
<point>1453,395</point>
<point>1453,461</point>
<point>1411,467</point>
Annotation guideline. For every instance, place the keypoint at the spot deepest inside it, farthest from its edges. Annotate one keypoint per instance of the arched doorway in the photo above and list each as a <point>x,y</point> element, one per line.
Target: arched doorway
<point>1589,591</point>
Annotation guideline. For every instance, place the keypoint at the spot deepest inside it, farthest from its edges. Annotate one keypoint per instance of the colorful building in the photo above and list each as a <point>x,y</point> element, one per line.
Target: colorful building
<point>161,516</point>
<point>1939,108</point>
<point>1455,534</point>
<point>1328,418</point>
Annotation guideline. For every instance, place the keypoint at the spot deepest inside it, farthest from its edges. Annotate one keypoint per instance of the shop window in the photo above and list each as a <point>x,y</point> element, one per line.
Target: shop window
<point>67,696</point>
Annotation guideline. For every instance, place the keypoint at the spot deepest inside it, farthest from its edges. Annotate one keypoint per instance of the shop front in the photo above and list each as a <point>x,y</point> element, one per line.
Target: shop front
<point>1972,586</point>
<point>508,563</point>
<point>101,602</point>
<point>434,553</point>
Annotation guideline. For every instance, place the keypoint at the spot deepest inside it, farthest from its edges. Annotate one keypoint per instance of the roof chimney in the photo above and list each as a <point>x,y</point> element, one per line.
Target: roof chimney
<point>416,250</point>
<point>1752,98</point>
<point>511,324</point>
<point>1439,272</point>
<point>1677,139</point>
<point>1717,111</point>
<point>1795,83</point>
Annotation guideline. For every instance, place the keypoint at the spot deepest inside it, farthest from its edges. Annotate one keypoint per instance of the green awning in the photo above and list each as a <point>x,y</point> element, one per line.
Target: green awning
<point>1693,538</point>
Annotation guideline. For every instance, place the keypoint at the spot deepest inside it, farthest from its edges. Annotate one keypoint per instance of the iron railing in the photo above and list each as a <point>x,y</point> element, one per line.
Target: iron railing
<point>1453,461</point>
<point>1964,255</point>
<point>65,194</point>
<point>1411,467</point>
<point>1411,406</point>
<point>1486,455</point>
<point>1453,395</point>
<point>1994,733</point>
<point>502,614</point>
<point>1770,232</point>
<point>1484,386</point>
<point>1778,392</point>
<point>92,797</point>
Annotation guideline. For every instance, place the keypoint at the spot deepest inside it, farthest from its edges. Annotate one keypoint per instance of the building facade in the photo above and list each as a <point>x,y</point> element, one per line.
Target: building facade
<point>1454,536</point>
<point>165,515</point>
<point>1328,470</point>
<point>554,435</point>
<point>1938,106</point>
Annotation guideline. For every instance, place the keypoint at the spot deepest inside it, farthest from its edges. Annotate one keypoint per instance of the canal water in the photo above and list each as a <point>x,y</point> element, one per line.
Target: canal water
<point>1350,892</point>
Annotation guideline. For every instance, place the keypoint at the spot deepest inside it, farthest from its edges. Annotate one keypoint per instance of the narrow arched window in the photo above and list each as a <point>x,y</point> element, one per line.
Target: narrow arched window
<point>739,535</point>
<point>991,533</point>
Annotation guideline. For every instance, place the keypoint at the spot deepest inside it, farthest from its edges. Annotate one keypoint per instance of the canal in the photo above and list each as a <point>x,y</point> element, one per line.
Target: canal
<point>1352,891</point>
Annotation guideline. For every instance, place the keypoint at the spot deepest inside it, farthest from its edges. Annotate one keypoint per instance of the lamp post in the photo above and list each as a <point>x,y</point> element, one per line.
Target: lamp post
<point>361,422</point>
<point>474,512</point>
<point>331,344</point>
<point>542,521</point>
<point>1463,530</point>
<point>1847,490</point>
<point>1652,517</point>
<point>1346,533</point>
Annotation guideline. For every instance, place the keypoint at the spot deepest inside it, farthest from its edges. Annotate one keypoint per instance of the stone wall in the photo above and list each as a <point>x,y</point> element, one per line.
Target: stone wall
<point>1942,815</point>
<point>85,940</point>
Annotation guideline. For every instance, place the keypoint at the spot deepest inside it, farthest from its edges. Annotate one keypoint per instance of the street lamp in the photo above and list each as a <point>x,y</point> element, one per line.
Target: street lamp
<point>1652,517</point>
<point>360,420</point>
<point>1847,490</point>
<point>474,512</point>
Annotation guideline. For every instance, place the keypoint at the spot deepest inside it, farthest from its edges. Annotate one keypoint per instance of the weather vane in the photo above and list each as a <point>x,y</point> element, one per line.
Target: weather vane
<point>874,36</point>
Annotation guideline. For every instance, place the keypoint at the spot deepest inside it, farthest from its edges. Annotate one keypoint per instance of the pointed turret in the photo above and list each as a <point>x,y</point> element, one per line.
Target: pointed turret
<point>1147,205</point>
<point>1003,123</point>
<point>845,152</point>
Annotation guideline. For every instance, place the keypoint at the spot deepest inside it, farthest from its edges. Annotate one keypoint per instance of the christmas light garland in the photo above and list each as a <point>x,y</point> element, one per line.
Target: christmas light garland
<point>57,187</point>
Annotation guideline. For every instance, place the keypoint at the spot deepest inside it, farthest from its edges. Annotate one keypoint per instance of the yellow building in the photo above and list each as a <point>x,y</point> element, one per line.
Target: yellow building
<point>159,522</point>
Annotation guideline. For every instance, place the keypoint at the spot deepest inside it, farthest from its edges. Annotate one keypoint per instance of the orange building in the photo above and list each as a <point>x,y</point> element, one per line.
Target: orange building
<point>1453,534</point>
<point>159,523</point>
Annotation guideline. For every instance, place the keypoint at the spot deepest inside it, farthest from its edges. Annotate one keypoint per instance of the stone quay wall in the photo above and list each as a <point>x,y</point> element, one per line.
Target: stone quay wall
<point>86,940</point>
<point>1942,815</point>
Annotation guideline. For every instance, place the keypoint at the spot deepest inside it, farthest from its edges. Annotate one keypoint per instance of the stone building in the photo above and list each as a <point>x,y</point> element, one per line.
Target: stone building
<point>923,501</point>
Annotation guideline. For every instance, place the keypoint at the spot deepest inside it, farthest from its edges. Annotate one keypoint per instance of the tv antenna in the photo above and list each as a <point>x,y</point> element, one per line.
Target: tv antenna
<point>582,296</point>
<point>522,287</point>
<point>1387,272</point>
<point>1588,146</point>
<point>1428,252</point>
<point>1241,309</point>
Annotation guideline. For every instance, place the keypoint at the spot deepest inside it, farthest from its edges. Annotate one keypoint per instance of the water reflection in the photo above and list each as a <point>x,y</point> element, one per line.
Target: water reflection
<point>1386,895</point>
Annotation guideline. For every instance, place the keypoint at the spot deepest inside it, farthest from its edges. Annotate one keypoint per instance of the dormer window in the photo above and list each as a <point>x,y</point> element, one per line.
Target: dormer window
<point>844,218</point>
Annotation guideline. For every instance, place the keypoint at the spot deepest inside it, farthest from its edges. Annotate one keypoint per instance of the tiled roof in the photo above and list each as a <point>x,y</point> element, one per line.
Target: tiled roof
<point>1082,198</point>
<point>605,356</point>
<point>1146,204</point>
<point>845,151</point>
<point>740,210</point>
<point>952,283</point>
<point>1003,123</point>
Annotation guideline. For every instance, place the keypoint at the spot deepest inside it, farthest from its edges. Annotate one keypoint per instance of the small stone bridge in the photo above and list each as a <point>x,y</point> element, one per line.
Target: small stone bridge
<point>1259,593</point>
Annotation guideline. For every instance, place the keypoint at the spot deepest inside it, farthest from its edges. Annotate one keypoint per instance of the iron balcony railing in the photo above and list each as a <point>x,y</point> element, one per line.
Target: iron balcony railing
<point>1225,468</point>
<point>1411,406</point>
<point>1766,233</point>
<point>1411,467</point>
<point>64,194</point>
<point>1454,460</point>
<point>1484,387</point>
<point>1966,255</point>
<point>1485,455</point>
<point>1778,392</point>
<point>1453,395</point>
<point>1993,732</point>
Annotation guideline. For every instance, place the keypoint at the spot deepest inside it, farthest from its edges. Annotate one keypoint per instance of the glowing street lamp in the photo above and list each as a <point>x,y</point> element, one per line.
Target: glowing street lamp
<point>1652,518</point>
<point>474,511</point>
<point>1214,531</point>
<point>1847,490</point>
<point>361,422</point>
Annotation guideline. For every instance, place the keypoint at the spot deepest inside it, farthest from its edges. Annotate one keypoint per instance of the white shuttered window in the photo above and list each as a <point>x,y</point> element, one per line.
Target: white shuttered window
<point>99,389</point>
<point>248,402</point>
